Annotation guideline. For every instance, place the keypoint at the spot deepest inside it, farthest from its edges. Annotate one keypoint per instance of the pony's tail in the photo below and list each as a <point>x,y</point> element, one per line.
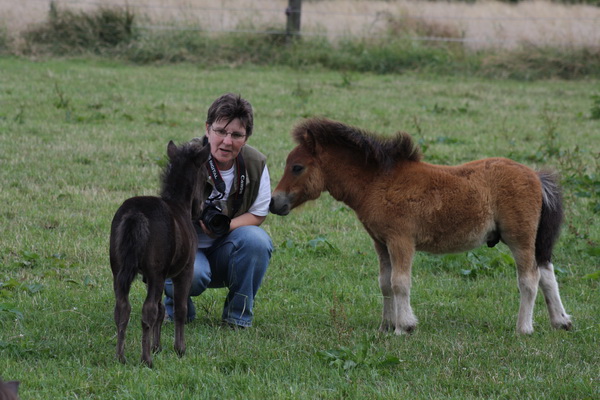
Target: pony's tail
<point>132,237</point>
<point>551,217</point>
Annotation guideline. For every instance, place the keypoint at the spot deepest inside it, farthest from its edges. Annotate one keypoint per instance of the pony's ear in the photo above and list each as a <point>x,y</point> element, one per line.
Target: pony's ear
<point>171,149</point>
<point>309,141</point>
<point>202,156</point>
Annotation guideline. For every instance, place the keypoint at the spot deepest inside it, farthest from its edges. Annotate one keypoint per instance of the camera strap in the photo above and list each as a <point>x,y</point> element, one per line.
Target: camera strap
<point>242,180</point>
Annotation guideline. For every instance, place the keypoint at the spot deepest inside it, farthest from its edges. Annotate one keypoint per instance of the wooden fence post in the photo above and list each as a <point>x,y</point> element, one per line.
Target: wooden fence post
<point>293,12</point>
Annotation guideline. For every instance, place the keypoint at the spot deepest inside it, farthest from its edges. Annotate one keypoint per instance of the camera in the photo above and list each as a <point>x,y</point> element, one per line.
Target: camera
<point>214,219</point>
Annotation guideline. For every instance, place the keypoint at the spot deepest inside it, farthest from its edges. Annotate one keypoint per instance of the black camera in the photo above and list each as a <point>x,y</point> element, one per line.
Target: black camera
<point>214,219</point>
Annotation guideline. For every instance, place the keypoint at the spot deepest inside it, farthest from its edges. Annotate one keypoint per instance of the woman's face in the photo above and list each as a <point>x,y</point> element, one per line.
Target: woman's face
<point>226,141</point>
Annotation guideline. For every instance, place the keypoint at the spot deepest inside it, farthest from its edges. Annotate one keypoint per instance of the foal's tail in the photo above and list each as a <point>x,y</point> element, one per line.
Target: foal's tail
<point>132,237</point>
<point>551,217</point>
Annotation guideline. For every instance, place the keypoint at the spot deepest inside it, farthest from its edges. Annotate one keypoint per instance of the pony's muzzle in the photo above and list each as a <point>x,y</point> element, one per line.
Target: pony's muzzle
<point>280,204</point>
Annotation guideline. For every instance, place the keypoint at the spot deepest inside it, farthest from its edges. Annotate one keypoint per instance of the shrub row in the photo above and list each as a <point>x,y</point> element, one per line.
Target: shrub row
<point>112,32</point>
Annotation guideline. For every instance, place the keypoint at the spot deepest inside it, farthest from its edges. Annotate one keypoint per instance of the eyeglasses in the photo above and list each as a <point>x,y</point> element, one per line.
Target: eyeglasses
<point>223,134</point>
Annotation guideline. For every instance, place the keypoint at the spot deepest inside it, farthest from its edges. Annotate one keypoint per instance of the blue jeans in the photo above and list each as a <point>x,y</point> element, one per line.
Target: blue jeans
<point>237,261</point>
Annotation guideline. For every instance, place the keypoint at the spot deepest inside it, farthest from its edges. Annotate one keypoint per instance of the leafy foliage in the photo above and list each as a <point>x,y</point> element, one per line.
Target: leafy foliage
<point>363,355</point>
<point>595,110</point>
<point>479,264</point>
<point>31,259</point>
<point>317,245</point>
<point>6,310</point>
<point>68,32</point>
<point>587,186</point>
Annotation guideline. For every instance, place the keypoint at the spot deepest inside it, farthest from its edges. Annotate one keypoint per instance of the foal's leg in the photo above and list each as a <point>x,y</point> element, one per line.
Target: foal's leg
<point>401,255</point>
<point>156,347</point>
<point>181,289</point>
<point>385,284</point>
<point>528,280</point>
<point>121,315</point>
<point>558,316</point>
<point>155,288</point>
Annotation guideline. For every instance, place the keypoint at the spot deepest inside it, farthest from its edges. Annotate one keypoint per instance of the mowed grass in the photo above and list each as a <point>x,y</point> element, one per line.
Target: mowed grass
<point>78,137</point>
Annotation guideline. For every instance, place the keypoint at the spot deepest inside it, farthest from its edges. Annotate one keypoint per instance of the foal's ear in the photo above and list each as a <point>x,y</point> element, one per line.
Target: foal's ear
<point>171,149</point>
<point>309,142</point>
<point>202,156</point>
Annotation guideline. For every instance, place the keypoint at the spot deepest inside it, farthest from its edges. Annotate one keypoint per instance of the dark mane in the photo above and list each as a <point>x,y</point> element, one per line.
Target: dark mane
<point>177,171</point>
<point>384,151</point>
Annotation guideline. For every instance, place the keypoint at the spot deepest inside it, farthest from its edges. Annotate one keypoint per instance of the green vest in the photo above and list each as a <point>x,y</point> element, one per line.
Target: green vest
<point>255,163</point>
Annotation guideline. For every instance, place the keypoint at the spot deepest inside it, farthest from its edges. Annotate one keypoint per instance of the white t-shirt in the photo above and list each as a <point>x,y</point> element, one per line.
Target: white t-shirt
<point>260,207</point>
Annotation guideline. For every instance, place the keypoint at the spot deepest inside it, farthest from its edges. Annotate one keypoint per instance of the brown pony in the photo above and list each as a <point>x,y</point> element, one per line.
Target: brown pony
<point>154,236</point>
<point>407,205</point>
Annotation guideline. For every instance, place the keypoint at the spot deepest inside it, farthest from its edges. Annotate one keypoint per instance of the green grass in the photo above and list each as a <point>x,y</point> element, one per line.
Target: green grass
<point>77,137</point>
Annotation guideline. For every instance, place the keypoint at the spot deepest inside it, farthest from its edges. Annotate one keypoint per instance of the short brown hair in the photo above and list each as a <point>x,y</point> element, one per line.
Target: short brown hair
<point>229,107</point>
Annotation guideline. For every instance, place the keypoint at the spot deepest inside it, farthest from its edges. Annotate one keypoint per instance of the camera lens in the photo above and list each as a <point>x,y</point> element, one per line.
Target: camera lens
<point>219,224</point>
<point>215,220</point>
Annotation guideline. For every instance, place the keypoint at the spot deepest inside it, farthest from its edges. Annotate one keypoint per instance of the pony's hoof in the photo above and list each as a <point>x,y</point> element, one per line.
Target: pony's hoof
<point>567,325</point>
<point>156,349</point>
<point>147,363</point>
<point>180,352</point>
<point>121,359</point>
<point>407,330</point>
<point>525,331</point>
<point>386,326</point>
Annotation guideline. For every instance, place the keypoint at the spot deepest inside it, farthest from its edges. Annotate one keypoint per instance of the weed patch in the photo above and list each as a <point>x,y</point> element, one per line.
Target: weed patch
<point>33,260</point>
<point>69,32</point>
<point>9,312</point>
<point>595,109</point>
<point>363,355</point>
<point>318,245</point>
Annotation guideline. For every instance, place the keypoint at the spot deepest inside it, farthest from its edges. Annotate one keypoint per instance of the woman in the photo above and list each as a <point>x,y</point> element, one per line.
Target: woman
<point>238,187</point>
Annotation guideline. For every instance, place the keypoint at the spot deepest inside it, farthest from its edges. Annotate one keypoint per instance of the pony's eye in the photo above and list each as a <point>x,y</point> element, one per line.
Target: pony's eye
<point>296,169</point>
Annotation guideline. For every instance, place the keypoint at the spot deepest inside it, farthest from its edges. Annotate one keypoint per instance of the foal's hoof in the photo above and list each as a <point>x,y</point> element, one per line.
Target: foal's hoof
<point>156,349</point>
<point>408,330</point>
<point>567,325</point>
<point>526,331</point>
<point>147,363</point>
<point>122,359</point>
<point>180,352</point>
<point>386,326</point>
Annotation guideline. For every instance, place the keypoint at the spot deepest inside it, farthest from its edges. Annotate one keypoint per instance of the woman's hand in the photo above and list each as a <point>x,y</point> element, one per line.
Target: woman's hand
<point>207,231</point>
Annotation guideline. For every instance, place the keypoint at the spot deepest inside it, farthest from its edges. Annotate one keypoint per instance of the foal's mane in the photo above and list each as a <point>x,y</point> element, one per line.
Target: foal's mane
<point>383,151</point>
<point>175,174</point>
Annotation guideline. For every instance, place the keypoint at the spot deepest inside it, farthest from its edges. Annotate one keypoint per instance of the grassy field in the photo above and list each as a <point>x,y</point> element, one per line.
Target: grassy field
<point>78,137</point>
